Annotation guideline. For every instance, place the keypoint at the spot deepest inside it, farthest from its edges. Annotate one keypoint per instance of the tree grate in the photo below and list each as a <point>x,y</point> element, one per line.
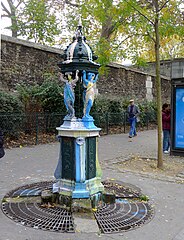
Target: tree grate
<point>123,216</point>
<point>29,190</point>
<point>23,205</point>
<point>35,216</point>
<point>121,189</point>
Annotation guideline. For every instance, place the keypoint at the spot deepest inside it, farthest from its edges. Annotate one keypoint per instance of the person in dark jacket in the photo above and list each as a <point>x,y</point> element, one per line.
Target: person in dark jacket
<point>1,145</point>
<point>133,112</point>
<point>166,126</point>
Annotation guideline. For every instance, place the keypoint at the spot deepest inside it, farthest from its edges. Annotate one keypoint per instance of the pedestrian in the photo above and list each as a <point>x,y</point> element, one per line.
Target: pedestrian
<point>166,126</point>
<point>1,145</point>
<point>133,113</point>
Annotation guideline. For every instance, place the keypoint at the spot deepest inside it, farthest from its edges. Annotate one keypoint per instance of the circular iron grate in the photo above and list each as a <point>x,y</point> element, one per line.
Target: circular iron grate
<point>122,216</point>
<point>121,189</point>
<point>23,205</point>
<point>29,190</point>
<point>35,216</point>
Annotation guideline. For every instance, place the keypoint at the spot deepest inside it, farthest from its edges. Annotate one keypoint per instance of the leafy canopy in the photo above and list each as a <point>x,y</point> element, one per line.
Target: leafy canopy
<point>37,22</point>
<point>126,28</point>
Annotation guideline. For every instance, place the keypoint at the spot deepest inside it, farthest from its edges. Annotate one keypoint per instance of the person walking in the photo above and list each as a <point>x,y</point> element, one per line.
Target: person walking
<point>166,126</point>
<point>133,113</point>
<point>1,145</point>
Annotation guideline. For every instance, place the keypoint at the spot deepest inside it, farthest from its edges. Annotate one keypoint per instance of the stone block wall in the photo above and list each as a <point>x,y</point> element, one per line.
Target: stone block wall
<point>129,83</point>
<point>26,62</point>
<point>123,83</point>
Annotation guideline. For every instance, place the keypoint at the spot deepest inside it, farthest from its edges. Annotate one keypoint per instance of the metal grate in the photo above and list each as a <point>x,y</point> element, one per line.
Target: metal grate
<point>123,216</point>
<point>121,189</point>
<point>23,205</point>
<point>35,216</point>
<point>29,190</point>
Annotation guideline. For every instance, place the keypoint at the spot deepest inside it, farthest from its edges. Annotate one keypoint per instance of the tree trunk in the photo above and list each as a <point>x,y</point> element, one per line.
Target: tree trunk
<point>13,21</point>
<point>158,88</point>
<point>107,29</point>
<point>14,27</point>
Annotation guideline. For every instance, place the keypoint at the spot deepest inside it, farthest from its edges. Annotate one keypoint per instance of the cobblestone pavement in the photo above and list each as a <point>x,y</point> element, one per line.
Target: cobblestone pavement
<point>26,165</point>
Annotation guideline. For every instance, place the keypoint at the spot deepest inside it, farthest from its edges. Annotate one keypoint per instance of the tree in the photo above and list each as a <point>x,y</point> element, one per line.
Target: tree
<point>103,23</point>
<point>110,23</point>
<point>10,11</point>
<point>158,83</point>
<point>170,48</point>
<point>155,23</point>
<point>144,23</point>
<point>32,19</point>
<point>36,22</point>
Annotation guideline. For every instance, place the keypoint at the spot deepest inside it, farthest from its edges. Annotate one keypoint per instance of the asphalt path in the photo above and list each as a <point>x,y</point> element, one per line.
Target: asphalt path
<point>27,165</point>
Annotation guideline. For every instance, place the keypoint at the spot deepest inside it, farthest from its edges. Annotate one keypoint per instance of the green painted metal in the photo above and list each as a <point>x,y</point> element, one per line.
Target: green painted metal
<point>68,158</point>
<point>90,157</point>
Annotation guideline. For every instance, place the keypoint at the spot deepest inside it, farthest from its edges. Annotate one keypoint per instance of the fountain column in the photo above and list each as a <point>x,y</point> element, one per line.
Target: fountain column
<point>78,173</point>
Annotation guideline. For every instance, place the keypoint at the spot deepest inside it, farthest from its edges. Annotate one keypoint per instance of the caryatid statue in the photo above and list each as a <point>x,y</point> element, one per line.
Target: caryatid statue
<point>69,95</point>
<point>89,84</point>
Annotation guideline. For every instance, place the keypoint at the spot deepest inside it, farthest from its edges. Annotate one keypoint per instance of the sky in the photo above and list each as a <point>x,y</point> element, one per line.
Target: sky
<point>5,22</point>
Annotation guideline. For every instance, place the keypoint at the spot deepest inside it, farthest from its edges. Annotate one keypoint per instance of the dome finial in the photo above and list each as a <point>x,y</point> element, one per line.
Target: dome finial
<point>80,22</point>
<point>79,55</point>
<point>79,29</point>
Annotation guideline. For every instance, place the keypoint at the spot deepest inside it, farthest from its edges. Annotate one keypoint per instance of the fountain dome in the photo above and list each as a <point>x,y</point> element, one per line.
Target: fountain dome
<point>78,55</point>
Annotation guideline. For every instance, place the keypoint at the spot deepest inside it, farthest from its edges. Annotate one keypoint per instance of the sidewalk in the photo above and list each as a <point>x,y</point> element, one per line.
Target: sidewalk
<point>26,165</point>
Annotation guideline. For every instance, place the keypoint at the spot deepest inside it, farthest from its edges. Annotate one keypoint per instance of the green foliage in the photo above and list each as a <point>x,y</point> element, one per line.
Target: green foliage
<point>51,96</point>
<point>47,97</point>
<point>144,198</point>
<point>140,61</point>
<point>10,103</point>
<point>105,52</point>
<point>102,21</point>
<point>11,110</point>
<point>127,26</point>
<point>99,110</point>
<point>116,109</point>
<point>126,29</point>
<point>28,96</point>
<point>100,105</point>
<point>38,23</point>
<point>148,112</point>
<point>170,24</point>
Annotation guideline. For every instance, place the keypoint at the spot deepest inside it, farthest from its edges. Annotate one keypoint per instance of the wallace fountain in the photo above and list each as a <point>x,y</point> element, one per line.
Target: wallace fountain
<point>78,194</point>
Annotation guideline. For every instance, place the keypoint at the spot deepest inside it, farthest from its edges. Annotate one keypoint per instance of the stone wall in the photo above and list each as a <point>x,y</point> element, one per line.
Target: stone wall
<point>131,83</point>
<point>24,61</point>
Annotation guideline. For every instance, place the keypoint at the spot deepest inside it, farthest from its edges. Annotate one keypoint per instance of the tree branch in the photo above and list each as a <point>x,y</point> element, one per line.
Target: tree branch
<point>163,5</point>
<point>5,9</point>
<point>10,3</point>
<point>141,13</point>
<point>21,1</point>
<point>71,4</point>
<point>123,41</point>
<point>149,35</point>
<point>4,15</point>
